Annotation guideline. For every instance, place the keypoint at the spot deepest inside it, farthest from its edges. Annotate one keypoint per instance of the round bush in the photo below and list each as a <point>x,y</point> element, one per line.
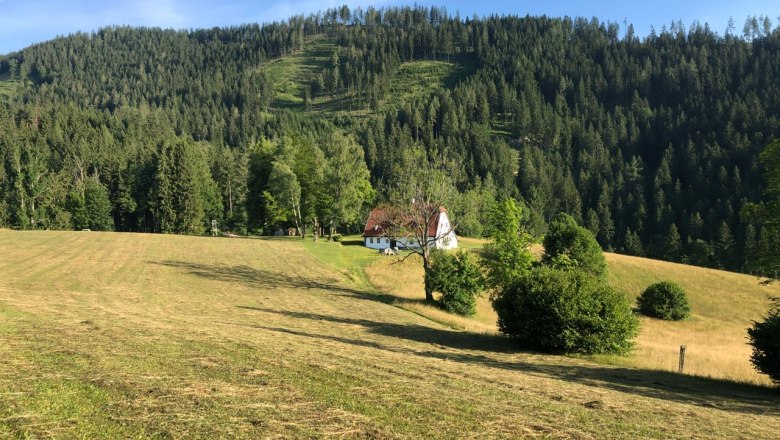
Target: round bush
<point>664,300</point>
<point>765,339</point>
<point>566,311</point>
<point>458,279</point>
<point>569,244</point>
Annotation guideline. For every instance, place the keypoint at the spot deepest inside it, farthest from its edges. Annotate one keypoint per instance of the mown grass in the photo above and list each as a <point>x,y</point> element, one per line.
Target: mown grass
<point>152,336</point>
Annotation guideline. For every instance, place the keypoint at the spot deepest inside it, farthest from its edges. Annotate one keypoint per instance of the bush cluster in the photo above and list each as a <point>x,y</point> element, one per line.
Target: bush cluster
<point>664,300</point>
<point>564,304</point>
<point>569,244</point>
<point>765,338</point>
<point>566,310</point>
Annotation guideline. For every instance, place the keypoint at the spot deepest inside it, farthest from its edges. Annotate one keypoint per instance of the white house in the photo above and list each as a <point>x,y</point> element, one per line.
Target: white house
<point>375,234</point>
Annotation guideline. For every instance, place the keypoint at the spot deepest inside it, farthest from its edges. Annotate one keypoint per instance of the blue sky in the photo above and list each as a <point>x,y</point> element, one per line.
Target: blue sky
<point>24,22</point>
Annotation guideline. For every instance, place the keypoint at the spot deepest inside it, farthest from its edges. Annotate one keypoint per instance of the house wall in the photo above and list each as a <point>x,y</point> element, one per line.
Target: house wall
<point>446,238</point>
<point>376,242</point>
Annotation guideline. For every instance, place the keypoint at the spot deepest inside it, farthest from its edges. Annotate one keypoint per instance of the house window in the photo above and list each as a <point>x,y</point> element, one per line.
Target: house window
<point>371,240</point>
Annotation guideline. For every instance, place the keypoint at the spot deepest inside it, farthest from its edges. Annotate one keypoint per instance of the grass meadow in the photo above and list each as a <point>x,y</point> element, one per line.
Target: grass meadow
<point>724,305</point>
<point>160,336</point>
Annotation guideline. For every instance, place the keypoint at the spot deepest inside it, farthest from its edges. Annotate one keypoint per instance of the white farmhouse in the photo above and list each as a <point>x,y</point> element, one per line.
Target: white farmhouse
<point>375,234</point>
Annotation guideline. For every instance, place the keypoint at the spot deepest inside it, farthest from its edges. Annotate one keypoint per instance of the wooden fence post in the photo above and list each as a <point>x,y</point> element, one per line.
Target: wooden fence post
<point>682,358</point>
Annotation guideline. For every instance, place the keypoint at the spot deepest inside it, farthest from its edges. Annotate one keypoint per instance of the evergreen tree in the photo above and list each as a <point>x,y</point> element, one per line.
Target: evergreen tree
<point>725,246</point>
<point>672,244</point>
<point>633,244</point>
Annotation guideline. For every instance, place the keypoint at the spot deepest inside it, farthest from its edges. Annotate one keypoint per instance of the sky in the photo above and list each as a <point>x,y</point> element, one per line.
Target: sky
<point>25,22</point>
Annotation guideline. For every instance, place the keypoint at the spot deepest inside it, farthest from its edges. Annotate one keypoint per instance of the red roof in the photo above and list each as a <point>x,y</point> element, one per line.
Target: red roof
<point>380,220</point>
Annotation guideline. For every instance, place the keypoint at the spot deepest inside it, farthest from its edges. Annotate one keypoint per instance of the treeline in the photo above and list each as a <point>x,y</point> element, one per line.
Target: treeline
<point>650,143</point>
<point>129,171</point>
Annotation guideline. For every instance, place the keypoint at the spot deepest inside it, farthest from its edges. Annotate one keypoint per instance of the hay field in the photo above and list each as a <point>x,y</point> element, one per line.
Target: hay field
<point>106,335</point>
<point>724,304</point>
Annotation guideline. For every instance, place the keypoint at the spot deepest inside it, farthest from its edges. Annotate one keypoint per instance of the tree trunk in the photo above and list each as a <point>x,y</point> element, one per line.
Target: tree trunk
<point>296,216</point>
<point>426,268</point>
<point>230,198</point>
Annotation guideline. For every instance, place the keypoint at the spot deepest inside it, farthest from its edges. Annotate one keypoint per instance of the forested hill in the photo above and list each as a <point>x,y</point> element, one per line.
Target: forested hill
<point>652,143</point>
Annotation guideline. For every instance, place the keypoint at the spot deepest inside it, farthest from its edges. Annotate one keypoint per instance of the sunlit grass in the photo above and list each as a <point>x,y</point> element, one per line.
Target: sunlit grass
<point>144,336</point>
<point>724,304</point>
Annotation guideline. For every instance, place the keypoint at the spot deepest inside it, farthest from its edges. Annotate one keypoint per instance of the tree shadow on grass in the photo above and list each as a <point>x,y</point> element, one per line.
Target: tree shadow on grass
<point>266,279</point>
<point>258,278</point>
<point>441,338</point>
<point>704,392</point>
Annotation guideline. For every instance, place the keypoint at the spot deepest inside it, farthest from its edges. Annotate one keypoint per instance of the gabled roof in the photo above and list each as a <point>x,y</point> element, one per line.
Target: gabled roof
<point>379,222</point>
<point>375,226</point>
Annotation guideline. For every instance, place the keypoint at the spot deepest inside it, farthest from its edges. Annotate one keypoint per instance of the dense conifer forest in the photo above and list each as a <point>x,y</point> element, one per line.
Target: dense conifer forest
<point>651,143</point>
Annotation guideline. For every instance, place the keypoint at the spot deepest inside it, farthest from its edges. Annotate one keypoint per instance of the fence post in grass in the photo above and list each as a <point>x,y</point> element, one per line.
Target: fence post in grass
<point>682,358</point>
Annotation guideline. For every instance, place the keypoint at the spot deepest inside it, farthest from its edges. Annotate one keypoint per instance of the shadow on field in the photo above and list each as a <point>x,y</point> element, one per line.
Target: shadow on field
<point>663,385</point>
<point>699,391</point>
<point>440,337</point>
<point>254,277</point>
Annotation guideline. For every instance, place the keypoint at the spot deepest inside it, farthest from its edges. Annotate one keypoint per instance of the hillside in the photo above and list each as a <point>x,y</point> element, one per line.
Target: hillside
<point>293,74</point>
<point>138,335</point>
<point>651,143</point>
<point>724,305</point>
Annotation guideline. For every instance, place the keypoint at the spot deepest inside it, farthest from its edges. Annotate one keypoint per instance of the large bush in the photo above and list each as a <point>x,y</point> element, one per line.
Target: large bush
<point>664,300</point>
<point>458,279</point>
<point>569,245</point>
<point>566,311</point>
<point>765,339</point>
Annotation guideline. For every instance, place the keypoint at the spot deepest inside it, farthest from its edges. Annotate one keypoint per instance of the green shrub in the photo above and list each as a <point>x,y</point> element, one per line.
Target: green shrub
<point>765,339</point>
<point>664,300</point>
<point>337,237</point>
<point>507,257</point>
<point>458,280</point>
<point>569,245</point>
<point>566,311</point>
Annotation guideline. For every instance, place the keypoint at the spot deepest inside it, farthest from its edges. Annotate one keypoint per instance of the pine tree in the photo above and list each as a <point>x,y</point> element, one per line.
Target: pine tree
<point>672,244</point>
<point>633,244</point>
<point>725,246</point>
<point>162,191</point>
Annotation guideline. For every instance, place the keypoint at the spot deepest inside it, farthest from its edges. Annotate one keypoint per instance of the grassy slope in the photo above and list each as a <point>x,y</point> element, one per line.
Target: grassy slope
<point>128,335</point>
<point>8,87</point>
<point>724,305</point>
<point>291,72</point>
<point>412,80</point>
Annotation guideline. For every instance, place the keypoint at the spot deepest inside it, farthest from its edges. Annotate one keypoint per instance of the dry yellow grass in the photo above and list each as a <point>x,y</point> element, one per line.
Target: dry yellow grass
<point>108,335</point>
<point>724,305</point>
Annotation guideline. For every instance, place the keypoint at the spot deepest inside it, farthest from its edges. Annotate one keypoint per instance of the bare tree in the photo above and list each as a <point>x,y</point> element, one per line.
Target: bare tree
<point>421,191</point>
